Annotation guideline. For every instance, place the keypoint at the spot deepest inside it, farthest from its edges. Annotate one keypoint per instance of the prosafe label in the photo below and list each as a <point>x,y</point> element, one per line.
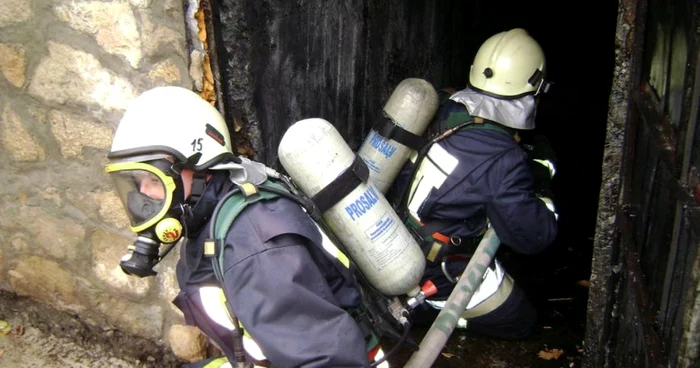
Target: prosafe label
<point>379,227</point>
<point>362,204</point>
<point>382,145</point>
<point>373,165</point>
<point>388,241</point>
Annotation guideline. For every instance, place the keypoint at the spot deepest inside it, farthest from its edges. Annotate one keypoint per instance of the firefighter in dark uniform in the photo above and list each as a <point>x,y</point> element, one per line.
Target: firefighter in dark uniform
<point>480,176</point>
<point>171,162</point>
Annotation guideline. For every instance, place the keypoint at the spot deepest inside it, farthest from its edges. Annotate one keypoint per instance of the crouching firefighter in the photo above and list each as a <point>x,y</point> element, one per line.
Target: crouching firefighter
<point>474,174</point>
<point>256,274</point>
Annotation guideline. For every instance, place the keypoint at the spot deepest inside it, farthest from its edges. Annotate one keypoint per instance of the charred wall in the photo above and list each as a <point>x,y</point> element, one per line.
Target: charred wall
<point>339,60</point>
<point>284,61</point>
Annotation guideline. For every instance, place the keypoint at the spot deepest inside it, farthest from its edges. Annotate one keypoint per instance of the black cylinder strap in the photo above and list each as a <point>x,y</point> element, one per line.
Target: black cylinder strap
<point>341,186</point>
<point>389,130</point>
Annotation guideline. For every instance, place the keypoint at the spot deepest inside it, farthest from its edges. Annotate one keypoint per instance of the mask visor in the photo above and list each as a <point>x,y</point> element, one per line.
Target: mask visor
<point>145,191</point>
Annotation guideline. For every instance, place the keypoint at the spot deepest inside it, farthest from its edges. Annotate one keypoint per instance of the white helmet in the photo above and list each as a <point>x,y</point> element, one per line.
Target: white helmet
<point>163,131</point>
<point>175,121</point>
<point>509,64</point>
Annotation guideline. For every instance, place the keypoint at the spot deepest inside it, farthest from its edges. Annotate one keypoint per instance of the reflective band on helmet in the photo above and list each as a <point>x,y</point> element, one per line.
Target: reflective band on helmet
<point>432,173</point>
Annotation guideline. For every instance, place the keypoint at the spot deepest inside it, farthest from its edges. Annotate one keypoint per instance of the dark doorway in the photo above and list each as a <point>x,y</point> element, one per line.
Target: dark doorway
<point>284,61</point>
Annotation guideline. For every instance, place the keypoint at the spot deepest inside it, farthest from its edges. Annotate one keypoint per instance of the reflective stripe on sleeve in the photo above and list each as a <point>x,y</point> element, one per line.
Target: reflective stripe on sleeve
<point>217,312</point>
<point>213,307</point>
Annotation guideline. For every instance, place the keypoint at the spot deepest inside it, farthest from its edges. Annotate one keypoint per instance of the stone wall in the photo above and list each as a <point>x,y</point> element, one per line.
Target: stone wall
<point>69,69</point>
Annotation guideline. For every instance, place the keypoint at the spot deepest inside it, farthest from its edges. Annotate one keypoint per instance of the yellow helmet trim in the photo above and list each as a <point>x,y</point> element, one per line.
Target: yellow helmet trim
<point>167,181</point>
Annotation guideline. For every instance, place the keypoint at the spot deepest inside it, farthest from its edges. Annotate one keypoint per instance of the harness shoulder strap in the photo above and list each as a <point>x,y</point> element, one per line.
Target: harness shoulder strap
<point>224,216</point>
<point>455,119</point>
<point>248,194</point>
<point>235,204</point>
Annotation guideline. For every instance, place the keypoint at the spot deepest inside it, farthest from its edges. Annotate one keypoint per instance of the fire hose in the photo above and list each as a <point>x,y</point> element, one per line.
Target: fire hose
<point>441,329</point>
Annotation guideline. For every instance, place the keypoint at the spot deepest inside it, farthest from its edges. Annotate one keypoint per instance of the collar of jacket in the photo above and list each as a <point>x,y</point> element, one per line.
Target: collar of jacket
<point>489,125</point>
<point>459,117</point>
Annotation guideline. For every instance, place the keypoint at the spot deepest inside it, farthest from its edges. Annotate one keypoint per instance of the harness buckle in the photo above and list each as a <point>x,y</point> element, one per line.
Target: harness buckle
<point>448,276</point>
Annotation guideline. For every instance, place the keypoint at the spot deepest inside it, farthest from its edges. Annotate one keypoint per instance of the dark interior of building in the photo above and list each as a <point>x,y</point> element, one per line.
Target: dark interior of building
<point>280,63</point>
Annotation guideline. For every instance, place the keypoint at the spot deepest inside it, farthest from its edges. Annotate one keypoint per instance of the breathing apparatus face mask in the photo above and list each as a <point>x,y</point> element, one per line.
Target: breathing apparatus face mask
<point>152,194</point>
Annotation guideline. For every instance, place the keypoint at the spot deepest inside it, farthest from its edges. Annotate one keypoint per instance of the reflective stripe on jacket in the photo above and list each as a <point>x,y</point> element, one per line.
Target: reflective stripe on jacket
<point>493,291</point>
<point>479,173</point>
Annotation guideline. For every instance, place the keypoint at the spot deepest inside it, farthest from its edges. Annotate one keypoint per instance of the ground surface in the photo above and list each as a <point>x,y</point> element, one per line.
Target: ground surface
<point>33,348</point>
<point>42,337</point>
<point>556,282</point>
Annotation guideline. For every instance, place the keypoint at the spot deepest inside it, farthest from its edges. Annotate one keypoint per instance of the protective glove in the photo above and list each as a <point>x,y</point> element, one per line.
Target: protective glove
<point>540,151</point>
<point>542,160</point>
<point>550,206</point>
<point>543,179</point>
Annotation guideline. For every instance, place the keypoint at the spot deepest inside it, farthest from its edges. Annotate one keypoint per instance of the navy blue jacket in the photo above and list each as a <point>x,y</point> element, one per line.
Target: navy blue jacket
<point>492,180</point>
<point>284,288</point>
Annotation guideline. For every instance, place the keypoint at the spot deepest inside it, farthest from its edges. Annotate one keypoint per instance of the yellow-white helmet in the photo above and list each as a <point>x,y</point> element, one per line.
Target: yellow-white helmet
<point>162,132</point>
<point>509,65</point>
<point>175,121</point>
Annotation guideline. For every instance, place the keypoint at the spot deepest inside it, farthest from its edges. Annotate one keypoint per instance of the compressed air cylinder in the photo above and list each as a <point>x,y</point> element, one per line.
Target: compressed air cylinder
<point>313,153</point>
<point>410,107</point>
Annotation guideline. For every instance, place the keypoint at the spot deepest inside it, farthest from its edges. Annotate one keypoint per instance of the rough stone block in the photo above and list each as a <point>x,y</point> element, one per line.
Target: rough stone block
<point>156,36</point>
<point>167,278</point>
<point>73,133</point>
<point>17,141</point>
<point>111,23</point>
<point>145,320</point>
<point>45,280</point>
<point>54,235</point>
<point>143,4</point>
<point>187,342</point>
<point>13,63</point>
<point>196,71</point>
<point>14,11</point>
<point>3,245</point>
<point>166,71</point>
<point>107,251</point>
<point>111,209</point>
<point>70,76</point>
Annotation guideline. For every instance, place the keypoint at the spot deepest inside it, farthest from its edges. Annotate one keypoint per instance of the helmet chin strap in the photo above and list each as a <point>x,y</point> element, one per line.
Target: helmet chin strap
<point>200,205</point>
<point>190,163</point>
<point>199,183</point>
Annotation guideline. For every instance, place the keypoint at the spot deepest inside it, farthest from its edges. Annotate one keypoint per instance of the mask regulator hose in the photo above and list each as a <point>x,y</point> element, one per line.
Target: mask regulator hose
<point>141,259</point>
<point>143,255</point>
